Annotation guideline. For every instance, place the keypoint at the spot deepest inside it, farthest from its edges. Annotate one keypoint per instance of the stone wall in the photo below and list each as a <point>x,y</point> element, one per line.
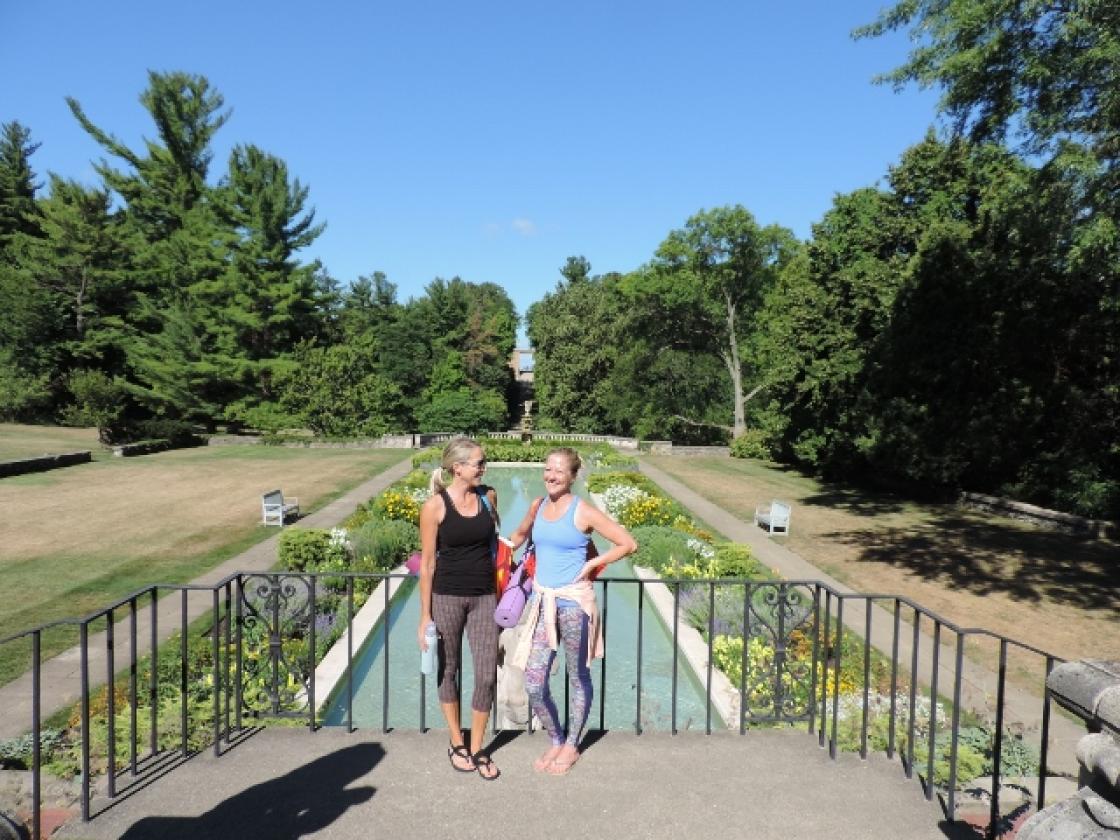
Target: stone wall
<point>44,462</point>
<point>1056,520</point>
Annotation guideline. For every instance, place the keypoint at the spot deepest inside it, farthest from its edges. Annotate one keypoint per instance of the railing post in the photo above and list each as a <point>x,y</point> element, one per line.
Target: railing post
<point>1044,745</point>
<point>711,650</point>
<point>832,741</point>
<point>132,677</point>
<point>744,659</point>
<point>239,678</point>
<point>638,695</point>
<point>311,652</point>
<point>933,709</point>
<point>226,672</point>
<point>824,668</point>
<point>84,643</point>
<point>780,649</point>
<point>814,667</point>
<point>36,735</point>
<point>997,736</point>
<point>350,661</point>
<point>111,708</point>
<point>913,695</point>
<point>676,625</point>
<point>184,718</point>
<point>867,606</point>
<point>385,657</point>
<point>216,648</point>
<point>951,809</point>
<point>153,676</point>
<point>603,665</point>
<point>894,680</point>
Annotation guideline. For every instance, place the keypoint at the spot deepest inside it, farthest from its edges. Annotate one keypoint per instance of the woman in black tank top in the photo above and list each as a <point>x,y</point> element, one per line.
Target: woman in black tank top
<point>458,591</point>
<point>465,565</point>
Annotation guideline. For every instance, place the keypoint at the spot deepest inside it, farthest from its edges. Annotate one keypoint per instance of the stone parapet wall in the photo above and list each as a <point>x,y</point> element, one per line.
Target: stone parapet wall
<point>42,463</point>
<point>1043,517</point>
<point>710,451</point>
<point>147,447</point>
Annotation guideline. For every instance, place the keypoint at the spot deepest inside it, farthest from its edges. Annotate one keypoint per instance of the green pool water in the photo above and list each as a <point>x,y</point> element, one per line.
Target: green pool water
<point>517,487</point>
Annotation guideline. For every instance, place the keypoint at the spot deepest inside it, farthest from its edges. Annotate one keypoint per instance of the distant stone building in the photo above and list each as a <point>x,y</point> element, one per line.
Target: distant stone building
<point>522,363</point>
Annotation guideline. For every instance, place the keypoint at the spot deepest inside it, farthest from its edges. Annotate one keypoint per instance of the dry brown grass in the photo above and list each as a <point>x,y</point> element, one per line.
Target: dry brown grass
<point>1056,592</point>
<point>73,539</point>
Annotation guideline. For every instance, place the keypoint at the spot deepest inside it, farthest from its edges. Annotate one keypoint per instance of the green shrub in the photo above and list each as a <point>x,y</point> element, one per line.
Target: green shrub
<point>427,458</point>
<point>612,459</point>
<point>753,443</point>
<point>1017,757</point>
<point>735,560</point>
<point>598,482</point>
<point>659,546</point>
<point>309,549</point>
<point>381,545</point>
<point>416,480</point>
<point>15,753</point>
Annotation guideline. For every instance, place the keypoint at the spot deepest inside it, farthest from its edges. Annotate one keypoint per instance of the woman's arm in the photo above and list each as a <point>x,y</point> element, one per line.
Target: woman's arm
<point>430,515</point>
<point>526,527</point>
<point>590,519</point>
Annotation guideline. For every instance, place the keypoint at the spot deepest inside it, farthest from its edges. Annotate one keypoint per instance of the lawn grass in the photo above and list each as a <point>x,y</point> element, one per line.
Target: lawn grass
<point>20,441</point>
<point>1057,592</point>
<point>75,539</point>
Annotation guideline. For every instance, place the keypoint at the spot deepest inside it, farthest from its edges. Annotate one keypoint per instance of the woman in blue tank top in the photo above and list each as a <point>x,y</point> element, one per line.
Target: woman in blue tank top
<point>564,610</point>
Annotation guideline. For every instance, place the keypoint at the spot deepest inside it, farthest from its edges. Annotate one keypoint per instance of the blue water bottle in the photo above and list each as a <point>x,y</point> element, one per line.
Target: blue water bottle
<point>428,657</point>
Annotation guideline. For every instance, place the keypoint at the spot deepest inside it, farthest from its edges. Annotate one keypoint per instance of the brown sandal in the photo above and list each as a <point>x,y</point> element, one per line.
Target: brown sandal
<point>462,752</point>
<point>481,760</point>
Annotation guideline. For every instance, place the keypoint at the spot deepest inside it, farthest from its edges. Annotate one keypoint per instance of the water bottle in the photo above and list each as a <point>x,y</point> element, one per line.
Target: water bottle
<point>428,657</point>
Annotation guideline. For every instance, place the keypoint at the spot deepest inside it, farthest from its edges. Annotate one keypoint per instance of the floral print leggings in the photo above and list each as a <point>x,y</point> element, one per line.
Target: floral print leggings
<point>571,627</point>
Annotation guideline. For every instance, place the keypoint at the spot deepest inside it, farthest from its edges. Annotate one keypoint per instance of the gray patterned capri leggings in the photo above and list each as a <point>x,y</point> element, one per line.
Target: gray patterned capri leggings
<point>453,613</point>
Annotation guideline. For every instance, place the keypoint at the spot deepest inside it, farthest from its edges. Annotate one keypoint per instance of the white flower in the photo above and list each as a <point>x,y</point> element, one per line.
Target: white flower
<point>618,496</point>
<point>702,549</point>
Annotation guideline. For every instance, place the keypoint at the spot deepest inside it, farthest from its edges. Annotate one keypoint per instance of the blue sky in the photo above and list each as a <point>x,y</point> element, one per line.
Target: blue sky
<point>491,140</point>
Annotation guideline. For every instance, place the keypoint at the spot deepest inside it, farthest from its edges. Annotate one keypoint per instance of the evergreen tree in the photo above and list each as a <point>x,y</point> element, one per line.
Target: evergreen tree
<point>18,213</point>
<point>265,302</point>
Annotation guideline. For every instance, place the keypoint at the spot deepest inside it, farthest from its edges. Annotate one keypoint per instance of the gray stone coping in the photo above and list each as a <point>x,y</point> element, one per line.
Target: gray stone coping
<point>1091,690</point>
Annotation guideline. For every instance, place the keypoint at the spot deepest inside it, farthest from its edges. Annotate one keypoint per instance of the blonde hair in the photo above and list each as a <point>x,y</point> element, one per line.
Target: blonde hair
<point>456,452</point>
<point>575,463</point>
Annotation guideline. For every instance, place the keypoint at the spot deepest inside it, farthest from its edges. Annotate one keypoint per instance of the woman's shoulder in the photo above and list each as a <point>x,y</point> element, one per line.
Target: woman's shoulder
<point>434,504</point>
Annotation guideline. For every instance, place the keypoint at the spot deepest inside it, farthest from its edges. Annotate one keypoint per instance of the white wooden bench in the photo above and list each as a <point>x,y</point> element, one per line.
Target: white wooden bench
<point>274,509</point>
<point>775,518</point>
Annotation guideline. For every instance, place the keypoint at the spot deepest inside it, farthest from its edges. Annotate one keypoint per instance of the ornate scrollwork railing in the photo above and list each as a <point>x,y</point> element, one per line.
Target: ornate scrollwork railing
<point>275,620</point>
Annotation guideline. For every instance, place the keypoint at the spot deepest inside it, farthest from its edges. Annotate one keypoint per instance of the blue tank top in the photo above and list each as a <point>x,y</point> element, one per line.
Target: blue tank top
<point>561,547</point>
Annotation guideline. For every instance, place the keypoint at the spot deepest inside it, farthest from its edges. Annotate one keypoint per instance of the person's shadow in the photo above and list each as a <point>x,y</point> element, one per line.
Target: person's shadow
<point>305,800</point>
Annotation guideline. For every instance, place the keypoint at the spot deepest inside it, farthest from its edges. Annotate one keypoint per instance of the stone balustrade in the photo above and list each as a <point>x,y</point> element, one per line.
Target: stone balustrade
<point>1090,690</point>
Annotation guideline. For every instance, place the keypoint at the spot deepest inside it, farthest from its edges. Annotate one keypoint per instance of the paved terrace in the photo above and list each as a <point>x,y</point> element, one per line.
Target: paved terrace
<point>281,784</point>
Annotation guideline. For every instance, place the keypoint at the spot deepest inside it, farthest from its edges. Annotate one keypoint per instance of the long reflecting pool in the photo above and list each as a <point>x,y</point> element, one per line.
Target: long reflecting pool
<point>615,708</point>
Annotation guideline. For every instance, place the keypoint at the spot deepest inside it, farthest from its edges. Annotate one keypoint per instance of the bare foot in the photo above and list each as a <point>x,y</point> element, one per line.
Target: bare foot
<point>542,763</point>
<point>563,761</point>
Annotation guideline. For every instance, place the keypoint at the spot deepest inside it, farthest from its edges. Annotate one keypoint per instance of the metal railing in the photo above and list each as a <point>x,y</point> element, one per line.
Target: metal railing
<point>262,630</point>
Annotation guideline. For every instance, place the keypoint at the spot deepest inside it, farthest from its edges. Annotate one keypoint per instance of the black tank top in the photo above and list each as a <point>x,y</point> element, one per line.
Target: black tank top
<point>464,565</point>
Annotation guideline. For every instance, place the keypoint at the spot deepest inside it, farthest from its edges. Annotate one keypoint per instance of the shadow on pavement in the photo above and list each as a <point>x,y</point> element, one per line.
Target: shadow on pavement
<point>303,801</point>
